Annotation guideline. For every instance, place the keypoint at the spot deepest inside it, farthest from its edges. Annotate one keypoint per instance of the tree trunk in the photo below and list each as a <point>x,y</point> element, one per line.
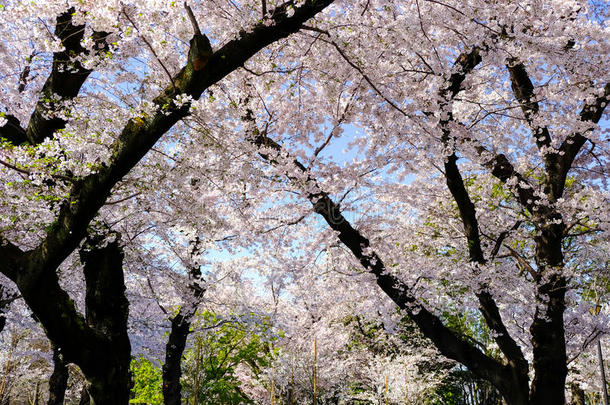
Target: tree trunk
<point>110,386</point>
<point>99,343</point>
<point>549,348</point>
<point>107,309</point>
<point>180,329</point>
<point>547,328</point>
<point>59,379</point>
<point>173,359</point>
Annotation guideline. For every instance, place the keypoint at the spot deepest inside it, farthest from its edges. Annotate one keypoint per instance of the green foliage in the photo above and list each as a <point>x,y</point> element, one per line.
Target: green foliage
<point>220,347</point>
<point>368,335</point>
<point>461,387</point>
<point>147,381</point>
<point>473,328</point>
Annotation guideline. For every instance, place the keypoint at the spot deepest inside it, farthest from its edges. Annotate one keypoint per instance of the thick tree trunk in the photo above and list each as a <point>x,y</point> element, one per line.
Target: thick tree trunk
<point>107,310</point>
<point>519,396</point>
<point>547,329</point>
<point>109,386</point>
<point>173,359</point>
<point>99,344</point>
<point>59,379</point>
<point>548,342</point>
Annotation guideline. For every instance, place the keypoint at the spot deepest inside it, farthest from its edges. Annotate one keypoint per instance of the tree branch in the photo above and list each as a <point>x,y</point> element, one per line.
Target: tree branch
<point>139,135</point>
<point>573,144</point>
<point>193,20</point>
<point>10,258</point>
<point>66,78</point>
<point>523,89</point>
<point>358,69</point>
<point>12,131</point>
<point>464,65</point>
<point>450,344</point>
<point>149,45</point>
<point>501,168</point>
<point>488,308</point>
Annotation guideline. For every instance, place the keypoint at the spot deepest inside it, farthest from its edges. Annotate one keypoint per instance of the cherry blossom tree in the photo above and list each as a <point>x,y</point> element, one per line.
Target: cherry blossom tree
<point>492,109</point>
<point>475,184</point>
<point>106,37</point>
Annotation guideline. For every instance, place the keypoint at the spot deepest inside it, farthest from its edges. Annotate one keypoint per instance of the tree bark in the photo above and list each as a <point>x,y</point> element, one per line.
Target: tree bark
<point>84,396</point>
<point>58,382</point>
<point>107,310</point>
<point>548,340</point>
<point>547,328</point>
<point>172,371</point>
<point>180,329</point>
<point>6,298</point>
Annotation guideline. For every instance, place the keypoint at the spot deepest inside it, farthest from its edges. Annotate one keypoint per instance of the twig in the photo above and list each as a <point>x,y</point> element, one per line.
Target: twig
<point>366,6</point>
<point>123,199</point>
<point>269,71</point>
<point>23,77</point>
<point>296,221</point>
<point>324,144</point>
<point>23,171</point>
<point>474,20</point>
<point>152,50</point>
<point>332,132</point>
<point>155,296</point>
<point>353,65</point>
<point>10,166</point>
<point>592,336</point>
<point>501,238</point>
<point>522,262</point>
<point>421,24</point>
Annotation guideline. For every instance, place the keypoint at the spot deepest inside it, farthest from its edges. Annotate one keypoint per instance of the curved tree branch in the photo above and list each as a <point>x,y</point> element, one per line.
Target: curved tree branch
<point>140,134</point>
<point>523,89</point>
<point>450,344</point>
<point>574,143</point>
